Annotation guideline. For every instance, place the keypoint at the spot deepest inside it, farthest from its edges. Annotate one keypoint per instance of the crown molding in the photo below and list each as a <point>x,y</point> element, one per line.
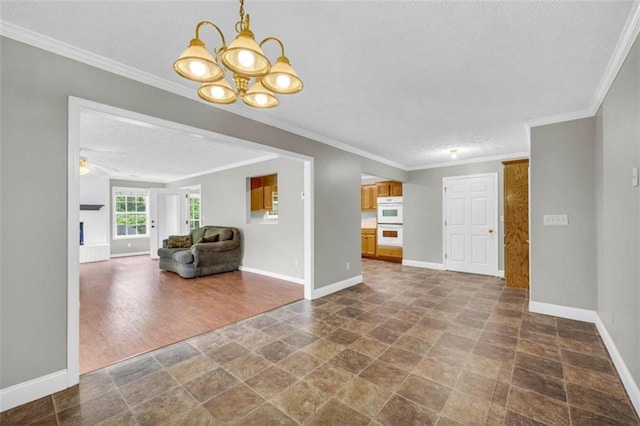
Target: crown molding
<point>628,36</point>
<point>228,167</point>
<point>560,118</point>
<point>52,45</point>
<point>472,161</point>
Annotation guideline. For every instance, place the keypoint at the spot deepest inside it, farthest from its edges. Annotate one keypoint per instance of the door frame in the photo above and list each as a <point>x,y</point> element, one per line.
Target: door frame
<point>153,216</point>
<point>494,181</point>
<point>78,105</point>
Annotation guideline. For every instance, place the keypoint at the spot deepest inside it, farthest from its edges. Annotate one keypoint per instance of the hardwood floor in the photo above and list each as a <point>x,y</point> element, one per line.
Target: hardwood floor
<point>128,306</point>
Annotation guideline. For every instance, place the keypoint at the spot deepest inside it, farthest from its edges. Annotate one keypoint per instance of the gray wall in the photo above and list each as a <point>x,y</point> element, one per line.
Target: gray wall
<point>563,258</point>
<point>584,168</point>
<point>618,212</point>
<point>423,210</point>
<point>34,109</point>
<point>268,247</point>
<point>121,245</point>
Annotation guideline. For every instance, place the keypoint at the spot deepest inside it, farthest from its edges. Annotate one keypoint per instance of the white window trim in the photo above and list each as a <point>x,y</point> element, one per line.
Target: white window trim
<point>118,190</point>
<point>195,191</point>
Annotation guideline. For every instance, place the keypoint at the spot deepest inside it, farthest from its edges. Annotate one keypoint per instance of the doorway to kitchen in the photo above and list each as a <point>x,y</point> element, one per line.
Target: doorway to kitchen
<point>470,231</point>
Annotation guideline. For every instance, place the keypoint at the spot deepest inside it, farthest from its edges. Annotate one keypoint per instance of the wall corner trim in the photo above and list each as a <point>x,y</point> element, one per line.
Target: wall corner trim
<point>31,390</point>
<point>625,375</point>
<point>337,286</point>
<point>272,275</point>
<point>420,264</point>
<point>592,316</point>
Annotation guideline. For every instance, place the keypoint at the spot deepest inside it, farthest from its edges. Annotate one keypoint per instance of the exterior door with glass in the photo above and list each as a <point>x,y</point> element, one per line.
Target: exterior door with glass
<point>168,215</point>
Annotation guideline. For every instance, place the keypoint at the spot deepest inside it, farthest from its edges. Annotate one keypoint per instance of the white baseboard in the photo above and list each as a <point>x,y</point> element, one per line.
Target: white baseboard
<point>592,316</point>
<point>31,390</point>
<point>567,312</point>
<point>500,273</point>
<point>332,288</point>
<point>420,264</point>
<point>273,275</point>
<point>137,253</point>
<point>625,375</point>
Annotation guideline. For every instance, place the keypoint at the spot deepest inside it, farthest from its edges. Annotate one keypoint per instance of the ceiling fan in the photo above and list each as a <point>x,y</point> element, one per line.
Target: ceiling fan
<point>86,167</point>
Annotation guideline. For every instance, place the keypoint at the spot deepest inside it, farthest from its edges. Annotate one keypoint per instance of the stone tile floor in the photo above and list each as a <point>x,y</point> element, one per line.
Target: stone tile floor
<point>409,347</point>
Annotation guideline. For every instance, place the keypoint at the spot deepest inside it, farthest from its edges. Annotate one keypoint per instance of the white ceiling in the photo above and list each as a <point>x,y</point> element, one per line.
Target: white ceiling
<point>130,149</point>
<point>406,81</point>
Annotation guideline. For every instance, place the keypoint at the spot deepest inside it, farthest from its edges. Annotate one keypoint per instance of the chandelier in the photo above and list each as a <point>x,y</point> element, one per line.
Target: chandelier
<point>247,63</point>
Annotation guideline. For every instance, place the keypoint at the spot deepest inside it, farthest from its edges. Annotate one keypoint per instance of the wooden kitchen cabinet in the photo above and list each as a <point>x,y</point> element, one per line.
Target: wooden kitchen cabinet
<point>393,254</point>
<point>368,238</point>
<point>369,197</point>
<point>389,189</point>
<point>262,190</point>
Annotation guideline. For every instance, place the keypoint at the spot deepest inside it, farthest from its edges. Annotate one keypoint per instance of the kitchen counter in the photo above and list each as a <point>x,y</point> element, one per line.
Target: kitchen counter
<point>368,225</point>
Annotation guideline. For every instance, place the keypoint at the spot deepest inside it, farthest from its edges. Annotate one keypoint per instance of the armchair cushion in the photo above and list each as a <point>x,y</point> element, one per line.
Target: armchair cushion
<point>183,256</point>
<point>197,234</point>
<point>226,234</point>
<point>210,239</point>
<point>179,241</point>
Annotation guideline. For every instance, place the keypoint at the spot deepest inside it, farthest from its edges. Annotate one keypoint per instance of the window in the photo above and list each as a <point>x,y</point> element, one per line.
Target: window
<point>194,209</point>
<point>130,212</point>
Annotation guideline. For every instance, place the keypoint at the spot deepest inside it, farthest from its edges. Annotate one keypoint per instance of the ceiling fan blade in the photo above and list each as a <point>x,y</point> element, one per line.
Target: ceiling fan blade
<point>105,169</point>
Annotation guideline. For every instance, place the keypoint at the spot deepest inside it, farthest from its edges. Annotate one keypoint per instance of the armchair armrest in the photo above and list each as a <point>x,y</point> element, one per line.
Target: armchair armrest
<point>205,253</point>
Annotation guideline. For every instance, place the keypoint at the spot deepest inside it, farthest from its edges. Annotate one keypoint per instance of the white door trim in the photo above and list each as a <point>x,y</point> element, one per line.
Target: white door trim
<point>494,180</point>
<point>153,216</point>
<point>75,107</point>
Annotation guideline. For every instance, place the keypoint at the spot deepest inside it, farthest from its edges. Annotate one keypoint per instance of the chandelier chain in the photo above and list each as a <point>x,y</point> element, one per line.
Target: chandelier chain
<point>241,12</point>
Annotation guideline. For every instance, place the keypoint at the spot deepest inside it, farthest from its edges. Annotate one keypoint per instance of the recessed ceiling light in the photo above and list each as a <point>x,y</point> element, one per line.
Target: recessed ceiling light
<point>454,154</point>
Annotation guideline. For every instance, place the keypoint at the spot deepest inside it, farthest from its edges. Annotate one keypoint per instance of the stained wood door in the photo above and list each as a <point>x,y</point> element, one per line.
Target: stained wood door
<point>471,242</point>
<point>516,223</point>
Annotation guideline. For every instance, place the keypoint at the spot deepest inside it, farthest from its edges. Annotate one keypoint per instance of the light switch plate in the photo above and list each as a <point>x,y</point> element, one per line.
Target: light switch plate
<point>555,220</point>
<point>634,177</point>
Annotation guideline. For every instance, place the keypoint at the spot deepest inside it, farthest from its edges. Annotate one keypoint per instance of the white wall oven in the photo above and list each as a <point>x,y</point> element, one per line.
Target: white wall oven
<point>389,235</point>
<point>390,210</point>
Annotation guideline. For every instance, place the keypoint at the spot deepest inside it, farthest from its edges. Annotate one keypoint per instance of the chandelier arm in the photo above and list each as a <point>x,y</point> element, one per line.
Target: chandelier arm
<point>200,24</point>
<point>276,40</point>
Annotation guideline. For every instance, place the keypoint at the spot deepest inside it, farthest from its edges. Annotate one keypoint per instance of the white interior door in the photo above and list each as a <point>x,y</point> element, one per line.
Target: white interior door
<point>470,226</point>
<point>168,215</point>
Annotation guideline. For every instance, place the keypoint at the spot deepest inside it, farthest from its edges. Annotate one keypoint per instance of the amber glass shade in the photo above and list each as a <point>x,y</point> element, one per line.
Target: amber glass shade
<point>219,92</point>
<point>244,56</point>
<point>197,64</point>
<point>282,78</point>
<point>259,97</point>
<point>84,166</point>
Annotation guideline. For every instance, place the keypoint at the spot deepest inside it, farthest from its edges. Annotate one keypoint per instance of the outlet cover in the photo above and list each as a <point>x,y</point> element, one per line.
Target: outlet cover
<point>555,220</point>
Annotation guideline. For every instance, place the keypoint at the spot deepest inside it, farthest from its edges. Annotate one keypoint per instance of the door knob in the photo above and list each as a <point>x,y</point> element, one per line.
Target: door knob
<point>491,230</point>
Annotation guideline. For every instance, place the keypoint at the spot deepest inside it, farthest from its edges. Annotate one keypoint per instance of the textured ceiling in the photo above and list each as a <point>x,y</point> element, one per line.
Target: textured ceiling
<point>406,81</point>
<point>127,149</point>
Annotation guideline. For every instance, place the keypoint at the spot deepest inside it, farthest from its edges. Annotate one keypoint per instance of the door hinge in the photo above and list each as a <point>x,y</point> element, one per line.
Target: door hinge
<point>445,189</point>
<point>445,255</point>
<point>186,196</point>
<point>445,223</point>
